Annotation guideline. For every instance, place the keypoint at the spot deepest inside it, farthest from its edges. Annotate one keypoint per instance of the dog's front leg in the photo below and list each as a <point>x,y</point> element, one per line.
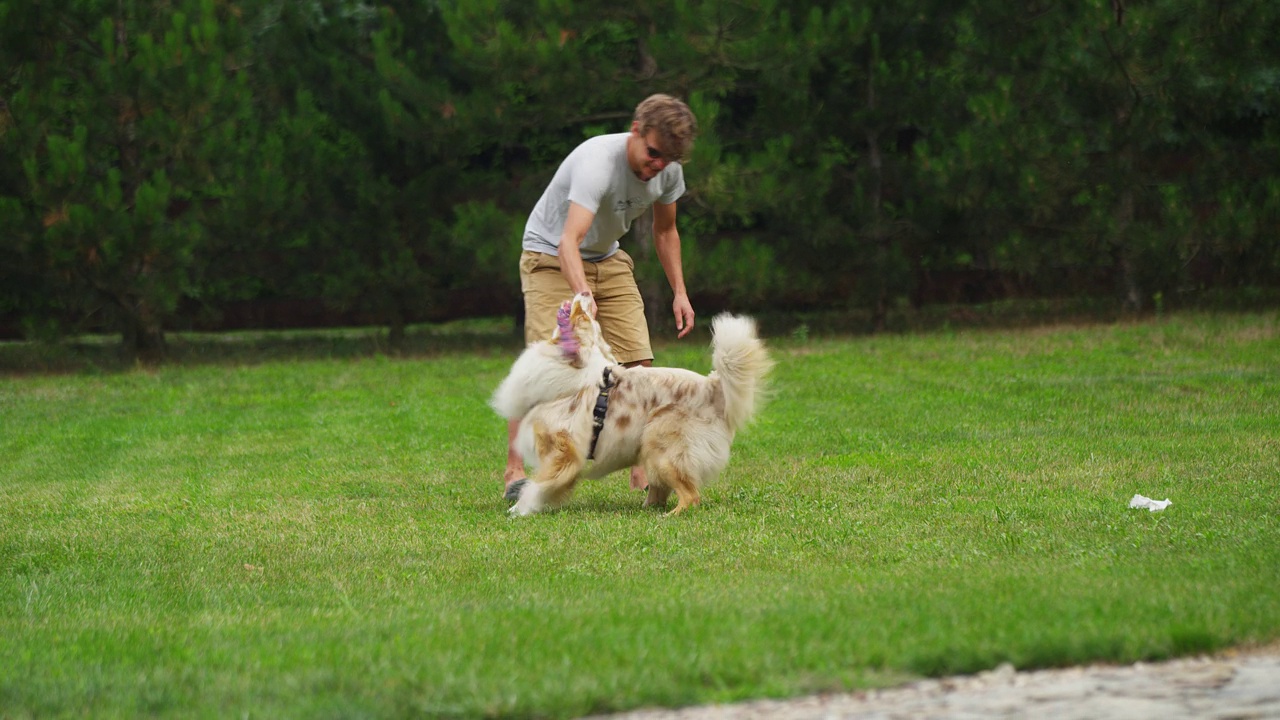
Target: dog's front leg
<point>530,501</point>
<point>559,466</point>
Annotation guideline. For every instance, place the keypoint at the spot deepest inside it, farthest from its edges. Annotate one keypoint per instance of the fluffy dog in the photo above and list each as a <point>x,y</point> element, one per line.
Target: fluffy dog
<point>575,357</point>
<point>677,424</point>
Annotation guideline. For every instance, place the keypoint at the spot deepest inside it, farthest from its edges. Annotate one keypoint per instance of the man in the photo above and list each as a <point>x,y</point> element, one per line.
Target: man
<point>571,239</point>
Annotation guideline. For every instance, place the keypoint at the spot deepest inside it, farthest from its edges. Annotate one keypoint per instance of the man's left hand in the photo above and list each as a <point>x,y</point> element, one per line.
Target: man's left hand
<point>684,314</point>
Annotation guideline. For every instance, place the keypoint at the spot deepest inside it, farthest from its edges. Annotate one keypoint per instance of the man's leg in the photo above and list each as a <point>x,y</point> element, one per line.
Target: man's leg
<point>621,316</point>
<point>620,310</point>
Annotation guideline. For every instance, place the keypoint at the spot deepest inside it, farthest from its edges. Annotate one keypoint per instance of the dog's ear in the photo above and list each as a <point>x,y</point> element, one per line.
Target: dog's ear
<point>582,305</point>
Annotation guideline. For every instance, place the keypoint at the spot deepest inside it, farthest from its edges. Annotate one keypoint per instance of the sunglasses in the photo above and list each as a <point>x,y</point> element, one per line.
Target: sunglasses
<point>656,154</point>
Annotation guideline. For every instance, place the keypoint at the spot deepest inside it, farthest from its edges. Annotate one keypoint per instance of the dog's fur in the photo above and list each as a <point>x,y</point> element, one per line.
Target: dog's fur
<point>556,368</point>
<point>676,423</point>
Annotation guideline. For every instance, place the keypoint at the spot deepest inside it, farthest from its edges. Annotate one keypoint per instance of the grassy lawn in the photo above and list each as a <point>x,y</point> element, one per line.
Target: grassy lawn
<point>326,538</point>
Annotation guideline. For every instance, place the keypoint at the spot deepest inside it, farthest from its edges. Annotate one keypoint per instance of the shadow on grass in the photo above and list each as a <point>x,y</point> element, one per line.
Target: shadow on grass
<point>1182,641</point>
<point>1011,314</point>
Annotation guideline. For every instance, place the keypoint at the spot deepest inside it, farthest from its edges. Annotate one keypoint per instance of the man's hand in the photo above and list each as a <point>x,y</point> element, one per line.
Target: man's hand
<point>684,314</point>
<point>594,308</point>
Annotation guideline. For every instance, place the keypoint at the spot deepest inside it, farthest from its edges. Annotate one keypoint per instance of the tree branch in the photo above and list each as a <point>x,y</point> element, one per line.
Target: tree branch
<point>1133,86</point>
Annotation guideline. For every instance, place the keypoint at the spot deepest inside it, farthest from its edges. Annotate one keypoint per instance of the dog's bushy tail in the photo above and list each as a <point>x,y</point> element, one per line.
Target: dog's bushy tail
<point>742,363</point>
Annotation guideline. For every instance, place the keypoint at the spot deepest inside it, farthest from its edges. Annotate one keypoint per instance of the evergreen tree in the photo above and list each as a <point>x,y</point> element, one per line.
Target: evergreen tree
<point>1094,140</point>
<point>124,119</point>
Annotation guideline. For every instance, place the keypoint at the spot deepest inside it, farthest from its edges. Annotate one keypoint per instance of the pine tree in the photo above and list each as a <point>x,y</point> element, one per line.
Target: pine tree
<point>124,117</point>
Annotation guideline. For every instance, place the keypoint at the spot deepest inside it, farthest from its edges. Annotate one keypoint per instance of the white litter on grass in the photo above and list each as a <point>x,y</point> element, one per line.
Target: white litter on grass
<point>1141,501</point>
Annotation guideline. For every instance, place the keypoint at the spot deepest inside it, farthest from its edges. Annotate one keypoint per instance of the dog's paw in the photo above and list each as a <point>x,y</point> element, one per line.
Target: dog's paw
<point>530,501</point>
<point>512,492</point>
<point>521,510</point>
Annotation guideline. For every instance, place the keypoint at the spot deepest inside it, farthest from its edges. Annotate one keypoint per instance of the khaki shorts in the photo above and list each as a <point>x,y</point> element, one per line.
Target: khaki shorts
<point>620,308</point>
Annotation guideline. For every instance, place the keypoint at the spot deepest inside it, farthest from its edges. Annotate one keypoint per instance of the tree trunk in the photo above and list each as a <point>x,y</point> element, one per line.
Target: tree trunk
<point>1124,220</point>
<point>143,333</point>
<point>650,288</point>
<point>879,238</point>
<point>395,330</point>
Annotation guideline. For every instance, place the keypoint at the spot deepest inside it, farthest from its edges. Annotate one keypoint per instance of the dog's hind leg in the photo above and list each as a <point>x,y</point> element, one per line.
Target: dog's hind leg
<point>677,478</point>
<point>658,492</point>
<point>558,470</point>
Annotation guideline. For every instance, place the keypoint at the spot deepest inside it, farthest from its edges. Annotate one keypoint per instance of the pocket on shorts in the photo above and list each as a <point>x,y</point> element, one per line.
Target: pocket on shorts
<point>534,262</point>
<point>625,258</point>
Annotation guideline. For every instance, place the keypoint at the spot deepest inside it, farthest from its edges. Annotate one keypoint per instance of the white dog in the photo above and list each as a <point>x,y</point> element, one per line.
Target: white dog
<point>577,404</point>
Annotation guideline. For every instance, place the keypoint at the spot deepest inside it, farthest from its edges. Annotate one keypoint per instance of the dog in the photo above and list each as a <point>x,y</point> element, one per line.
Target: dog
<point>577,404</point>
<point>574,357</point>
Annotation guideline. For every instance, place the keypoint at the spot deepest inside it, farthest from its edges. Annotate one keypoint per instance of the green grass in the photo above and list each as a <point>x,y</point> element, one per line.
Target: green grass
<point>325,538</point>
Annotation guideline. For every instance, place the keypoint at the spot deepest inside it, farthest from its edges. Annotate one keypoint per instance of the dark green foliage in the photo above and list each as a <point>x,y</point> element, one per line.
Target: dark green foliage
<point>123,128</point>
<point>161,162</point>
<point>1096,139</point>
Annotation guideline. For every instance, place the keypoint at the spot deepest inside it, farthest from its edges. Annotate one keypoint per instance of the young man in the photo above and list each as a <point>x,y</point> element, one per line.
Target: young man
<point>571,239</point>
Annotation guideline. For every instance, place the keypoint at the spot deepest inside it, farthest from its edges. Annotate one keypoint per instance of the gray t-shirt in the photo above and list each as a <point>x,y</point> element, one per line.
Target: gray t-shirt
<point>597,177</point>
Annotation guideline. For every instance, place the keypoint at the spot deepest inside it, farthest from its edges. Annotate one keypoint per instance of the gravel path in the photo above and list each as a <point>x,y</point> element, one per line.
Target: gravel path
<point>1235,685</point>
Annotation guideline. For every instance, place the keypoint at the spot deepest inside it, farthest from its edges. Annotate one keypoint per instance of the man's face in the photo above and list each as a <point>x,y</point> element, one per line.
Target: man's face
<point>645,153</point>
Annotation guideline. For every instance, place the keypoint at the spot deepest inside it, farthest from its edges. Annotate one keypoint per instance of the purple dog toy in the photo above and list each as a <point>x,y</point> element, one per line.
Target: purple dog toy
<point>568,339</point>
